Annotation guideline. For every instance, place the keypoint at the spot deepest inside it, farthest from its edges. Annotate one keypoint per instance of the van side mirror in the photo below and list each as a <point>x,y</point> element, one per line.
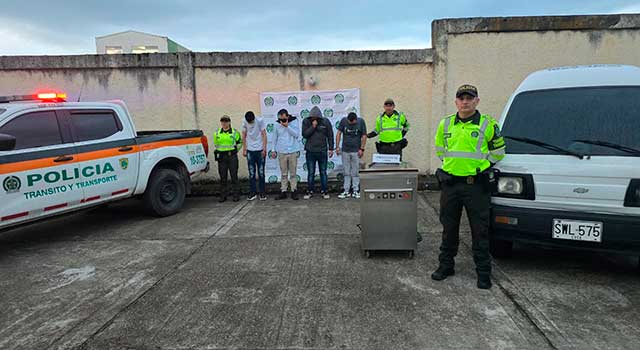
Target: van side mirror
<point>7,142</point>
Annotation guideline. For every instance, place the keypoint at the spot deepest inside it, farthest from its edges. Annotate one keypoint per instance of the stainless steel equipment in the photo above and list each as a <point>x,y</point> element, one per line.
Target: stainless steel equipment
<point>388,208</point>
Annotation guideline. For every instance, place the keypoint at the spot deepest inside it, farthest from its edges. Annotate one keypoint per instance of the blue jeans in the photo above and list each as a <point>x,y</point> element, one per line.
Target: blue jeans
<point>255,160</point>
<point>322,159</point>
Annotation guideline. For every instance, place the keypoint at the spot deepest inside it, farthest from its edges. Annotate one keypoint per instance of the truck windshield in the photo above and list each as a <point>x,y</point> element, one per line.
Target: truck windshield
<point>583,120</point>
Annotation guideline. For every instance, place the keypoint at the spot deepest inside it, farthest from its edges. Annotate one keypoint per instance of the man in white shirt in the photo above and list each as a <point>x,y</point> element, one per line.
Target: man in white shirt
<point>287,145</point>
<point>254,147</point>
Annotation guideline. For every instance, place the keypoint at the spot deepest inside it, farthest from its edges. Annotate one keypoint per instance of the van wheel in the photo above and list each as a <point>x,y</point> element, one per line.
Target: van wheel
<point>165,193</point>
<point>500,248</point>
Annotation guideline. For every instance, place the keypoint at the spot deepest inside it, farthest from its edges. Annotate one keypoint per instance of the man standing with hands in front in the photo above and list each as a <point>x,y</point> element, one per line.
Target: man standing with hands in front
<point>254,148</point>
<point>319,148</point>
<point>354,130</point>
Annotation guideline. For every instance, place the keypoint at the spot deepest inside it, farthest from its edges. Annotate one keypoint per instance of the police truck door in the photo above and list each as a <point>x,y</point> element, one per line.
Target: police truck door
<point>107,151</point>
<point>38,174</point>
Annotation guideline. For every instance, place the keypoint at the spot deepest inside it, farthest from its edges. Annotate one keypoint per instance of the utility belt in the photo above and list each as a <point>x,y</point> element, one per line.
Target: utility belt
<point>220,155</point>
<point>394,147</point>
<point>487,179</point>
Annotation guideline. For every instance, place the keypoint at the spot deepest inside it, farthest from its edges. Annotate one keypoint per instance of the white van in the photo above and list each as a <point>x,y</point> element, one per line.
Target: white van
<point>571,176</point>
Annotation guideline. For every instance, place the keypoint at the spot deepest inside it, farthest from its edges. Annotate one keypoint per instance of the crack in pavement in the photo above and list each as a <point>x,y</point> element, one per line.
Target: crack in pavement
<point>224,225</point>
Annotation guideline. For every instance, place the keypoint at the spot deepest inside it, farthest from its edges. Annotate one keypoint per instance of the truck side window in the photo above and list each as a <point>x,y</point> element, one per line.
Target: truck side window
<point>94,125</point>
<point>35,129</point>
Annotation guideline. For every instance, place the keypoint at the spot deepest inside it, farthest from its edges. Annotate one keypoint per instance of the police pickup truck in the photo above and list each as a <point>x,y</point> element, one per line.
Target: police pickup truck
<point>58,156</point>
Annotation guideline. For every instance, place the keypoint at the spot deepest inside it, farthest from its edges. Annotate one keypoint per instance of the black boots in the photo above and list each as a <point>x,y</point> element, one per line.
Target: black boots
<point>484,281</point>
<point>442,272</point>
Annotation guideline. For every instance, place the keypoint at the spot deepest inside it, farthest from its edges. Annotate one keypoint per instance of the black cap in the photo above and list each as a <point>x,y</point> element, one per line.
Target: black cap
<point>352,116</point>
<point>467,89</point>
<point>249,116</point>
<point>283,111</point>
<point>389,101</point>
<point>225,118</point>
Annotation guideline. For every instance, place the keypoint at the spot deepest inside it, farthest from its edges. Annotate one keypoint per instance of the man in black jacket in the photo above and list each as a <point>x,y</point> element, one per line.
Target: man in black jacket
<point>318,133</point>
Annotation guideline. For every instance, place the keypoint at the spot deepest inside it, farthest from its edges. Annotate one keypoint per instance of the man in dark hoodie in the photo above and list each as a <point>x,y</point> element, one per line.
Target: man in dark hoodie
<point>319,147</point>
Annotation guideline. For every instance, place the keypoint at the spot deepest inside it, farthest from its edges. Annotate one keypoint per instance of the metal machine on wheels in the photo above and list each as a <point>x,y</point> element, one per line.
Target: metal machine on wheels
<point>388,208</point>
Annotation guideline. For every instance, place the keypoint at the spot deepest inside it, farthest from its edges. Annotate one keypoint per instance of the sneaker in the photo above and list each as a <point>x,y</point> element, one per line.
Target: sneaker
<point>294,195</point>
<point>252,196</point>
<point>325,195</point>
<point>343,195</point>
<point>263,197</point>
<point>283,195</point>
<point>355,195</point>
<point>308,195</point>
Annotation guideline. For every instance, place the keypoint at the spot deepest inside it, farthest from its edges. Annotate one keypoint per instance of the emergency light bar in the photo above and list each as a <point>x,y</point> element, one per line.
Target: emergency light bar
<point>42,96</point>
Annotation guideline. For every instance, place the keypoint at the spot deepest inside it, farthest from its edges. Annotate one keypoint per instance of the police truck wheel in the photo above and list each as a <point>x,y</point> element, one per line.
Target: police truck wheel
<point>411,254</point>
<point>367,254</point>
<point>165,193</point>
<point>500,248</point>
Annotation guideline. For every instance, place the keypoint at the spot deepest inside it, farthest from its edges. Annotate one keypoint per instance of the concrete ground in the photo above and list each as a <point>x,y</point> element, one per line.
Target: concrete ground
<point>290,275</point>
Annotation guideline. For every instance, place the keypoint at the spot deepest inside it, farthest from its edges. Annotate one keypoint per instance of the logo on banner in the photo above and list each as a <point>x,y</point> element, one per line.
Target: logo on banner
<point>273,179</point>
<point>11,184</point>
<point>270,127</point>
<point>273,154</point>
<point>268,101</point>
<point>339,98</point>
<point>304,167</point>
<point>292,100</point>
<point>328,113</point>
<point>353,109</point>
<point>331,165</point>
<point>340,177</point>
<point>304,113</point>
<point>337,124</point>
<point>298,154</point>
<point>315,99</point>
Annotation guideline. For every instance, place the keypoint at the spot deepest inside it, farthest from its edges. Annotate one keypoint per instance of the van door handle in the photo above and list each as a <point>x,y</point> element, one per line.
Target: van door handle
<point>63,159</point>
<point>125,149</point>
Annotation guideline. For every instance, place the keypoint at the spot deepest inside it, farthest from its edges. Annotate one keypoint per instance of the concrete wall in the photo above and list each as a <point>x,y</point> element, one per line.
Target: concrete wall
<point>192,90</point>
<point>234,91</point>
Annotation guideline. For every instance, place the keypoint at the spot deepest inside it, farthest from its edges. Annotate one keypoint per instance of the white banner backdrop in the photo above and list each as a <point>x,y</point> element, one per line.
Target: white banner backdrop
<point>334,104</point>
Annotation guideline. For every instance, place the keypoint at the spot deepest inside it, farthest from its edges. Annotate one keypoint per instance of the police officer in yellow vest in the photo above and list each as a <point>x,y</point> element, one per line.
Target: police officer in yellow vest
<point>469,144</point>
<point>391,126</point>
<point>227,141</point>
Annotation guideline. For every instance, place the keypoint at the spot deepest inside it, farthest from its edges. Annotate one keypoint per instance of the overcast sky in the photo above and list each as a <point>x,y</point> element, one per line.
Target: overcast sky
<point>38,27</point>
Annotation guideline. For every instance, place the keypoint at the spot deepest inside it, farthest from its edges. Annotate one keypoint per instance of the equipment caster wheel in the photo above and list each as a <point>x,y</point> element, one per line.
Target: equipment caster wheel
<point>367,254</point>
<point>411,254</point>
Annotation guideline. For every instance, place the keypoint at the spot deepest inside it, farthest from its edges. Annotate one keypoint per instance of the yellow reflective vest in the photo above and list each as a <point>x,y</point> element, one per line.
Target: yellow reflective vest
<point>390,128</point>
<point>226,141</point>
<point>468,147</point>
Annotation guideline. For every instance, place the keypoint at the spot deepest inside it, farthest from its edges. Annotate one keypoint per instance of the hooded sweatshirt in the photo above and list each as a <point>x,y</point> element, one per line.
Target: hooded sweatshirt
<point>321,136</point>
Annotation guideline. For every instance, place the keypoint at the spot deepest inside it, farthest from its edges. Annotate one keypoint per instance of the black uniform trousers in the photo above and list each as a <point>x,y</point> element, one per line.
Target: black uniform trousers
<point>476,199</point>
<point>228,165</point>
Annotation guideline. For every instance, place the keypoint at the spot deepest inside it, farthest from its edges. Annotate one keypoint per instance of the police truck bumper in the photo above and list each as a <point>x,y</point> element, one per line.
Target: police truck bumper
<point>618,233</point>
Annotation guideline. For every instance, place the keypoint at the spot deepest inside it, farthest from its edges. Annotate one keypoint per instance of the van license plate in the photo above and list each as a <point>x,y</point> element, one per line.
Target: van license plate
<point>577,230</point>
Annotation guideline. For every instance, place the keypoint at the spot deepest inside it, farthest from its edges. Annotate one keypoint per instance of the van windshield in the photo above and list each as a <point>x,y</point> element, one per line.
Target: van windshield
<point>605,115</point>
